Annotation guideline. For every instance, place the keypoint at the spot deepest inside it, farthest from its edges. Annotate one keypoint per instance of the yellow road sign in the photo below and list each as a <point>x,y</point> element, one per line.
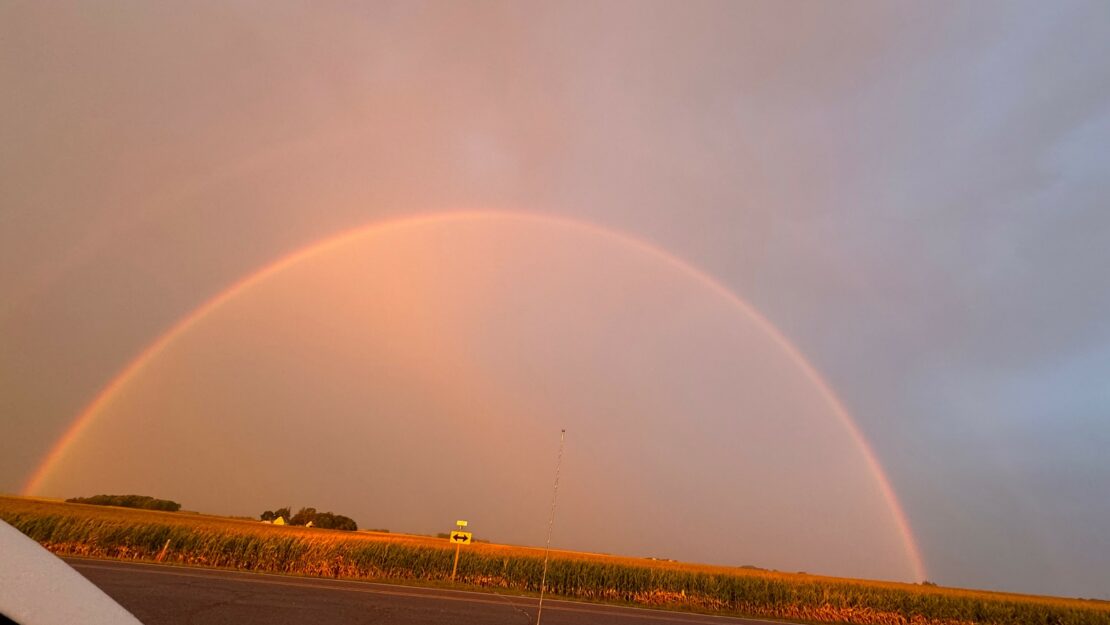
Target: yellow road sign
<point>461,523</point>
<point>462,538</point>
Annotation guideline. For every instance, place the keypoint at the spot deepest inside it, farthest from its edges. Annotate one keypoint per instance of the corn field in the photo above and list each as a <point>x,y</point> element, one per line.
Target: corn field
<point>195,540</point>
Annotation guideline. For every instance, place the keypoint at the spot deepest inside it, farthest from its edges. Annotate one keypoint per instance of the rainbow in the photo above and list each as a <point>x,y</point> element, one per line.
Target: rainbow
<point>82,422</point>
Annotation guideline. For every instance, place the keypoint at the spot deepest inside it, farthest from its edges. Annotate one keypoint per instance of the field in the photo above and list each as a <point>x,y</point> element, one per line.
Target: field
<point>198,540</point>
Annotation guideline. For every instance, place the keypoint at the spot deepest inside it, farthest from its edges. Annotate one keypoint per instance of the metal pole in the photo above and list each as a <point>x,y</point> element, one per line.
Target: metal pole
<point>550,525</point>
<point>456,567</point>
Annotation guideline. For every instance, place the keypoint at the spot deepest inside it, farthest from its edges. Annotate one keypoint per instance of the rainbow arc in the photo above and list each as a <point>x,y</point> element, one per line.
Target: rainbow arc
<point>95,407</point>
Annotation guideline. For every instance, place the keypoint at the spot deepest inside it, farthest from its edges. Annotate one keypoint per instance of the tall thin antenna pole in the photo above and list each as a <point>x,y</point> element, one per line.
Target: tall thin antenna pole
<point>550,524</point>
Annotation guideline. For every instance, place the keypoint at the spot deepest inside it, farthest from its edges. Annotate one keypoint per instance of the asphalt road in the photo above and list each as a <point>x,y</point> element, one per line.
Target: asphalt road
<point>165,595</point>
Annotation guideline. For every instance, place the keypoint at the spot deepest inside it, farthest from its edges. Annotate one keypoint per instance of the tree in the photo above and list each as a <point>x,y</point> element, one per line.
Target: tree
<point>129,501</point>
<point>306,515</point>
<point>345,523</point>
<point>303,516</point>
<point>328,520</point>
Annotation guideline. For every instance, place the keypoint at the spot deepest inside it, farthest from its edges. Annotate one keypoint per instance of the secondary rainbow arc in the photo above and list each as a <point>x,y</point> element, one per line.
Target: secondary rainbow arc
<point>87,415</point>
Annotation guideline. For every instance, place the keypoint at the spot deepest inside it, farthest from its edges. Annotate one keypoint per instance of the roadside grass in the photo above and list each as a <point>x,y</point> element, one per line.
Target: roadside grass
<point>206,541</point>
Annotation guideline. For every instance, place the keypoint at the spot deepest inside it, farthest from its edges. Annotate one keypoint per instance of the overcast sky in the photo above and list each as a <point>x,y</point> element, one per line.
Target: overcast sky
<point>914,194</point>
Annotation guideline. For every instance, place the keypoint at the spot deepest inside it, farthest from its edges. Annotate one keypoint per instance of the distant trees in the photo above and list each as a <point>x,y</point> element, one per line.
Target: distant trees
<point>129,501</point>
<point>272,515</point>
<point>327,520</point>
<point>304,516</point>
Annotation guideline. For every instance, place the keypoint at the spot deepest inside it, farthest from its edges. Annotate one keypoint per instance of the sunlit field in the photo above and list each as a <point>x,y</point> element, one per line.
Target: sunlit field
<point>207,541</point>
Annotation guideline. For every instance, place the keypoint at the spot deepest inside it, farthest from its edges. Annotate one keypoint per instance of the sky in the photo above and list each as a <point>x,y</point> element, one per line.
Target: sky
<point>689,234</point>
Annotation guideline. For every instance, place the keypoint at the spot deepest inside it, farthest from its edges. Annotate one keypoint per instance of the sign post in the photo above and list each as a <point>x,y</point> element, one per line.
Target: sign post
<point>460,538</point>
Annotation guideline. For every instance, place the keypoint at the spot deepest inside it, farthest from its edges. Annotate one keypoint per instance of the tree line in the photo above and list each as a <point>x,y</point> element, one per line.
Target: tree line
<point>129,501</point>
<point>304,516</point>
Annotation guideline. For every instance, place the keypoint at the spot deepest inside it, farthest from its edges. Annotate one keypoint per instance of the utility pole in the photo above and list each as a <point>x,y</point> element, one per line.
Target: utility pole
<point>550,524</point>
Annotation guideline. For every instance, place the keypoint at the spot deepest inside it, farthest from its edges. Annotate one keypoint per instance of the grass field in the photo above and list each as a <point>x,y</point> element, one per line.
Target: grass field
<point>199,540</point>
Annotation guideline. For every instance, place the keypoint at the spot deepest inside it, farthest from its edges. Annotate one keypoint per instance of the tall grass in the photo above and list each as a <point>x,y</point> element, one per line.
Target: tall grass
<point>207,541</point>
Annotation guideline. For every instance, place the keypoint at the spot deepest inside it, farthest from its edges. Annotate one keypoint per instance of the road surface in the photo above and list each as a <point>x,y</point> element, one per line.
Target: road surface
<point>165,595</point>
